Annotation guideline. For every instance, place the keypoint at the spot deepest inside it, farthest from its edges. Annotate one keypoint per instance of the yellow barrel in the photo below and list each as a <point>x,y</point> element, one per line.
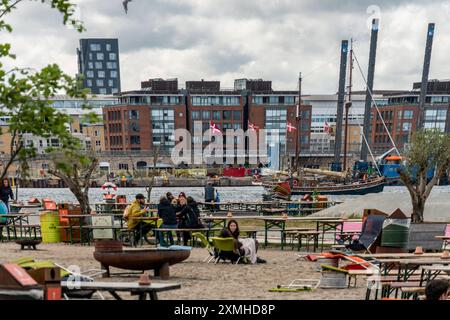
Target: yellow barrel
<point>49,227</point>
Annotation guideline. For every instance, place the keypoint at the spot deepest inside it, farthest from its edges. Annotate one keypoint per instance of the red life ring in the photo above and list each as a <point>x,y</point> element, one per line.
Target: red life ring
<point>295,182</point>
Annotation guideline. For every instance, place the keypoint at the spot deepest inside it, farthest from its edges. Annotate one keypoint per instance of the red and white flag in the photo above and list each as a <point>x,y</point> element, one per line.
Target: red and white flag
<point>290,127</point>
<point>326,127</point>
<point>214,128</point>
<point>253,126</point>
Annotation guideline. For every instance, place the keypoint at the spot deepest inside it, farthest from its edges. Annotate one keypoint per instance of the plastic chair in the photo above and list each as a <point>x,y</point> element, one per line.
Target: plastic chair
<point>225,249</point>
<point>206,244</point>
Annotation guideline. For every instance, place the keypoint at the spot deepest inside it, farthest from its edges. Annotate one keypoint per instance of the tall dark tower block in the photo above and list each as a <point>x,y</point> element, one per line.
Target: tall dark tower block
<point>425,73</point>
<point>370,76</point>
<point>340,105</point>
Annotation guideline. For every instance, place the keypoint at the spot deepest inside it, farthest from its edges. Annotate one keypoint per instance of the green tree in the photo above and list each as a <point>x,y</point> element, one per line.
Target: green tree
<point>429,149</point>
<point>25,93</point>
<point>77,169</point>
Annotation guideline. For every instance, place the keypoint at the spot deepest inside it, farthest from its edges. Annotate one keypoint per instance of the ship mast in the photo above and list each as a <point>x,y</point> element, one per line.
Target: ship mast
<point>348,104</point>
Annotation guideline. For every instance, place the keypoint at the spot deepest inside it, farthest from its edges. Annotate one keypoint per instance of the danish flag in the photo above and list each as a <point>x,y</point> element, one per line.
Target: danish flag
<point>326,127</point>
<point>290,127</point>
<point>214,128</point>
<point>253,126</point>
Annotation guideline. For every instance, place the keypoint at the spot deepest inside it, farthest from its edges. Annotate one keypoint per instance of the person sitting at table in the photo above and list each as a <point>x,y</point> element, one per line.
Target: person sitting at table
<point>247,246</point>
<point>437,289</point>
<point>189,218</point>
<point>138,209</point>
<point>6,192</point>
<point>167,213</point>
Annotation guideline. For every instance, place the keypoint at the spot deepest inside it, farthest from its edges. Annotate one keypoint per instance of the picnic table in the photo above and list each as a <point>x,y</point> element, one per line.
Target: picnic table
<point>407,266</point>
<point>142,291</point>
<point>20,221</point>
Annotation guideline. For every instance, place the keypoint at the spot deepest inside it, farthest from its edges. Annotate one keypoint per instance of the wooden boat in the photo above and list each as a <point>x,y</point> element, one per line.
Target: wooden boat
<point>356,188</point>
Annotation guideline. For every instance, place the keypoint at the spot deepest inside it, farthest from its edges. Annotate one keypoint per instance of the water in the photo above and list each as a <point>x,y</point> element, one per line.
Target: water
<point>226,194</point>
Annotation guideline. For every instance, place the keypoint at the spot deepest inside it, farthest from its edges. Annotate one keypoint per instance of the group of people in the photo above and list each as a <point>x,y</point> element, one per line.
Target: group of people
<point>182,212</point>
<point>176,213</point>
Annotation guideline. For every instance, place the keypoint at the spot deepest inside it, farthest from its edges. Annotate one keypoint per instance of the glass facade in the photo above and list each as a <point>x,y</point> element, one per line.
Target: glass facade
<point>163,126</point>
<point>275,123</point>
<point>216,100</point>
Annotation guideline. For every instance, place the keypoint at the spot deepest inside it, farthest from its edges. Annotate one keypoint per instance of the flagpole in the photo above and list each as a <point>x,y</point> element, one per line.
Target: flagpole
<point>298,133</point>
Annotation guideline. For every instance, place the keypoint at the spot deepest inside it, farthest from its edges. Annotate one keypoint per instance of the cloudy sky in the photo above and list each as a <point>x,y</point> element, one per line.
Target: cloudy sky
<point>228,39</point>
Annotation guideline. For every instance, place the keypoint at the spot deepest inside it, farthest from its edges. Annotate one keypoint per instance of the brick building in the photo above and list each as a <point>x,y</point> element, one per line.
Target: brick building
<point>401,112</point>
<point>146,118</point>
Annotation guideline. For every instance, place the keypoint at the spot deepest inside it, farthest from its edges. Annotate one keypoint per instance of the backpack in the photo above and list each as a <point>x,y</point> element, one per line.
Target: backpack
<point>126,212</point>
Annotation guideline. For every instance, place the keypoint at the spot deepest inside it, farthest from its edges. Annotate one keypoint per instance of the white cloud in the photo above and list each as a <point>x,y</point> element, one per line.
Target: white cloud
<point>228,39</point>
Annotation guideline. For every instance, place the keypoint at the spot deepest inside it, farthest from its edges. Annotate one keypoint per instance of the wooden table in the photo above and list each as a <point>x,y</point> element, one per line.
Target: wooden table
<point>433,271</point>
<point>20,221</point>
<point>400,255</point>
<point>133,287</point>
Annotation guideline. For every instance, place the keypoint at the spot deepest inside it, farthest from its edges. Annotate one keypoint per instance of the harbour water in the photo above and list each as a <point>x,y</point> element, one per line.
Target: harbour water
<point>226,194</point>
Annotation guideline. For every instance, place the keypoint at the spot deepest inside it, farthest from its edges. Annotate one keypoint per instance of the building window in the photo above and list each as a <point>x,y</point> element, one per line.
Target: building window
<point>406,126</point>
<point>90,65</point>
<point>95,47</point>
<point>97,143</point>
<point>98,65</point>
<point>90,56</point>
<point>111,65</point>
<point>407,114</point>
<point>100,56</point>
<point>90,74</point>
<point>226,115</point>
<point>112,56</point>
<point>216,115</point>
<point>236,115</point>
<point>108,47</point>
<point>195,115</point>
<point>101,74</point>
<point>113,74</point>
<point>110,83</point>
<point>123,166</point>
<point>114,90</point>
<point>100,83</point>
<point>102,91</point>
<point>134,114</point>
<point>135,139</point>
<point>89,83</point>
<point>206,115</point>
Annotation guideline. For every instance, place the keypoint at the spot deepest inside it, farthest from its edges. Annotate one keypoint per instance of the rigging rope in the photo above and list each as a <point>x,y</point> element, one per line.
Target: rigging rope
<point>376,106</point>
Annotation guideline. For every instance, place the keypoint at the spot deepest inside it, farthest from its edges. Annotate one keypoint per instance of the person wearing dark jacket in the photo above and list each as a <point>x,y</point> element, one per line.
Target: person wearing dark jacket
<point>167,213</point>
<point>189,218</point>
<point>6,192</point>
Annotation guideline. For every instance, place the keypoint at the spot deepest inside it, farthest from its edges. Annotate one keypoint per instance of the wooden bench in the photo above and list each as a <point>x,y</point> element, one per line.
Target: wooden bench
<point>302,234</point>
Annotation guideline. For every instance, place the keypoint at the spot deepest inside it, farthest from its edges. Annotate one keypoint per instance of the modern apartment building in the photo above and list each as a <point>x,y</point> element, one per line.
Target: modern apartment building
<point>98,63</point>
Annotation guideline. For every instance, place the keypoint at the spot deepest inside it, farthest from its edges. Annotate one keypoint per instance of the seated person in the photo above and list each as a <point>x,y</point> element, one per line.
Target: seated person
<point>437,289</point>
<point>233,256</point>
<point>137,209</point>
<point>189,217</point>
<point>248,247</point>
<point>167,213</point>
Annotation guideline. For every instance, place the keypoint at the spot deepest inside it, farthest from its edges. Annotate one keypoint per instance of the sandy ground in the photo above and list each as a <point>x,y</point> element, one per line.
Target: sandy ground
<point>200,280</point>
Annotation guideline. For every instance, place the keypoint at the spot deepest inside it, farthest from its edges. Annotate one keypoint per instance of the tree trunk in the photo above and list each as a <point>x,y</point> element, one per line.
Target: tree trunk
<point>83,200</point>
<point>418,208</point>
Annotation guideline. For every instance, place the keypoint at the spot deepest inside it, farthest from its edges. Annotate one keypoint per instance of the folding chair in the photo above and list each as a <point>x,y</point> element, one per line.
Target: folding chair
<point>206,244</point>
<point>225,250</point>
